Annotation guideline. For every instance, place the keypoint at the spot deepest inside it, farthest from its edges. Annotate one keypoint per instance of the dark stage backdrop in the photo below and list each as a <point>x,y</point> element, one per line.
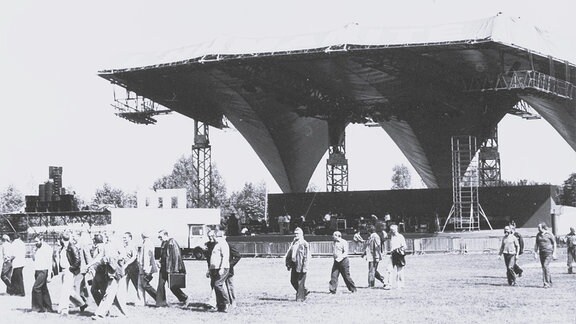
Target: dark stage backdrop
<point>525,205</point>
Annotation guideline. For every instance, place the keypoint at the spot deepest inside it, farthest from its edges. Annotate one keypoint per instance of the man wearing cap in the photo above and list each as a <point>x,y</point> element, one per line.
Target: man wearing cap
<point>341,264</point>
<point>147,268</point>
<point>297,259</point>
<point>571,244</point>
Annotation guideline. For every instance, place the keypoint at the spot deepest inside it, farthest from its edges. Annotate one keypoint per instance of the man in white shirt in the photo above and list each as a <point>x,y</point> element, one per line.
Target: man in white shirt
<point>41,301</point>
<point>19,253</point>
<point>219,267</point>
<point>341,264</point>
<point>7,263</point>
<point>397,248</point>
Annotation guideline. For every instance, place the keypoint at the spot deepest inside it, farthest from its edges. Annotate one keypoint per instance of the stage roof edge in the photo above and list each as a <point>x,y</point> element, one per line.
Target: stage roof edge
<point>499,29</point>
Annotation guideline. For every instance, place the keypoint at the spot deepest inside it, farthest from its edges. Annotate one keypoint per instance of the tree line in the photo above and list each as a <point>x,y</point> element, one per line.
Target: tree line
<point>247,203</point>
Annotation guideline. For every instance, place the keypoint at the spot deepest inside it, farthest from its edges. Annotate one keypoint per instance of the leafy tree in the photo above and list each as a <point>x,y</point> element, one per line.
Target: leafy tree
<point>568,195</point>
<point>113,197</point>
<point>183,175</point>
<point>521,182</point>
<point>249,203</point>
<point>401,178</point>
<point>11,200</point>
<point>219,195</point>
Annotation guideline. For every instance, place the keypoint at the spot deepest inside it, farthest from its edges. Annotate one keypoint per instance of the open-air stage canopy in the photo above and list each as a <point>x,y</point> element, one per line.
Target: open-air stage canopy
<point>291,97</point>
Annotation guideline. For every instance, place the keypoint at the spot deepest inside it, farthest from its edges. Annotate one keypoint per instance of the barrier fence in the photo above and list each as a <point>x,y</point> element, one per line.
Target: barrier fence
<point>414,246</point>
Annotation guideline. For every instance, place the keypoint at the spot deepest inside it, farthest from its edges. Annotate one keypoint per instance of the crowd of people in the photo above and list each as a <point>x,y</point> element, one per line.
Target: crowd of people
<point>298,256</point>
<point>545,249</point>
<point>103,267</point>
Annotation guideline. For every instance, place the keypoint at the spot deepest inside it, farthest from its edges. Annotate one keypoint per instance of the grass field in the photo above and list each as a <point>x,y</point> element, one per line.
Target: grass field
<point>440,288</point>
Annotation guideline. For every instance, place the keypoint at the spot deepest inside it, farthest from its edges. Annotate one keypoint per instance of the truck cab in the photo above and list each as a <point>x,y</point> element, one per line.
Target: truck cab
<point>197,238</point>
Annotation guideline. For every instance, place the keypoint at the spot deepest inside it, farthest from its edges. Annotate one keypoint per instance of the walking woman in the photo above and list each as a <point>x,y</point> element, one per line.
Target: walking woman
<point>510,248</point>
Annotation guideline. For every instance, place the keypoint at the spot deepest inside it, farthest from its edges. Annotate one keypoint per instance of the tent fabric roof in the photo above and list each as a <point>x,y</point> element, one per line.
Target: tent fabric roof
<point>501,29</point>
<point>412,77</point>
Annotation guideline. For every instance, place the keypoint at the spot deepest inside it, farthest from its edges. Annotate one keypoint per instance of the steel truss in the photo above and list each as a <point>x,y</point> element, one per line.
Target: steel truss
<point>337,167</point>
<point>528,79</point>
<point>202,164</point>
<point>489,164</point>
<point>466,210</point>
<point>135,108</point>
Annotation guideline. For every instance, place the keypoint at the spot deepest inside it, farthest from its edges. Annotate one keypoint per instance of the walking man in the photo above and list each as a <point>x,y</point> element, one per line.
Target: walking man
<point>19,252</point>
<point>297,259</point>
<point>96,270</point>
<point>545,247</point>
<point>219,267</point>
<point>571,245</point>
<point>41,301</point>
<point>170,262</point>
<point>69,260</point>
<point>147,268</point>
<point>235,257</point>
<point>374,256</point>
<point>114,262</point>
<point>517,270</point>
<point>397,256</point>
<point>341,264</point>
<point>7,263</point>
<point>132,271</point>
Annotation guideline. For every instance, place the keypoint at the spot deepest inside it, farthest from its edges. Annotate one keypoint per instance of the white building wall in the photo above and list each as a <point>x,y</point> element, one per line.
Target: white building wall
<point>161,198</point>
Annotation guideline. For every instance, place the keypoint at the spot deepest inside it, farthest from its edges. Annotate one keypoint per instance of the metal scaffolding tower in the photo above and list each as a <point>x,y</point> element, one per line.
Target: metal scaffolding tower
<point>466,210</point>
<point>202,164</point>
<point>337,164</point>
<point>489,166</point>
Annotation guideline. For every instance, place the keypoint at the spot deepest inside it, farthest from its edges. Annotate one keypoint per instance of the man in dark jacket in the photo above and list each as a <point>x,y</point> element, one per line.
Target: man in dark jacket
<point>570,240</point>
<point>69,261</point>
<point>235,257</point>
<point>517,270</point>
<point>297,259</point>
<point>170,262</point>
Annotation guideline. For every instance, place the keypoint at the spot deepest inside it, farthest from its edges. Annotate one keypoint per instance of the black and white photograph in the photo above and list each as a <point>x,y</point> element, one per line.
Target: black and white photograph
<point>287,161</point>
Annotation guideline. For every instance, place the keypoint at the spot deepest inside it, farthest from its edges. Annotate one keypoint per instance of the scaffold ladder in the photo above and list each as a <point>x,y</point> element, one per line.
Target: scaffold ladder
<point>466,210</point>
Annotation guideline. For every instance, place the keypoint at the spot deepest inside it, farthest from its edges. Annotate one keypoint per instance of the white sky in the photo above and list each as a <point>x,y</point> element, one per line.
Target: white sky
<point>56,110</point>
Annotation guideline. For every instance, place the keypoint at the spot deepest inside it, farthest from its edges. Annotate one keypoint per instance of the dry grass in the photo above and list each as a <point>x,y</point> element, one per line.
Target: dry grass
<point>439,289</point>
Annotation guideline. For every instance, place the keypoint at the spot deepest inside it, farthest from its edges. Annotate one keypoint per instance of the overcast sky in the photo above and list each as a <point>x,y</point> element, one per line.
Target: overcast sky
<point>56,110</point>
